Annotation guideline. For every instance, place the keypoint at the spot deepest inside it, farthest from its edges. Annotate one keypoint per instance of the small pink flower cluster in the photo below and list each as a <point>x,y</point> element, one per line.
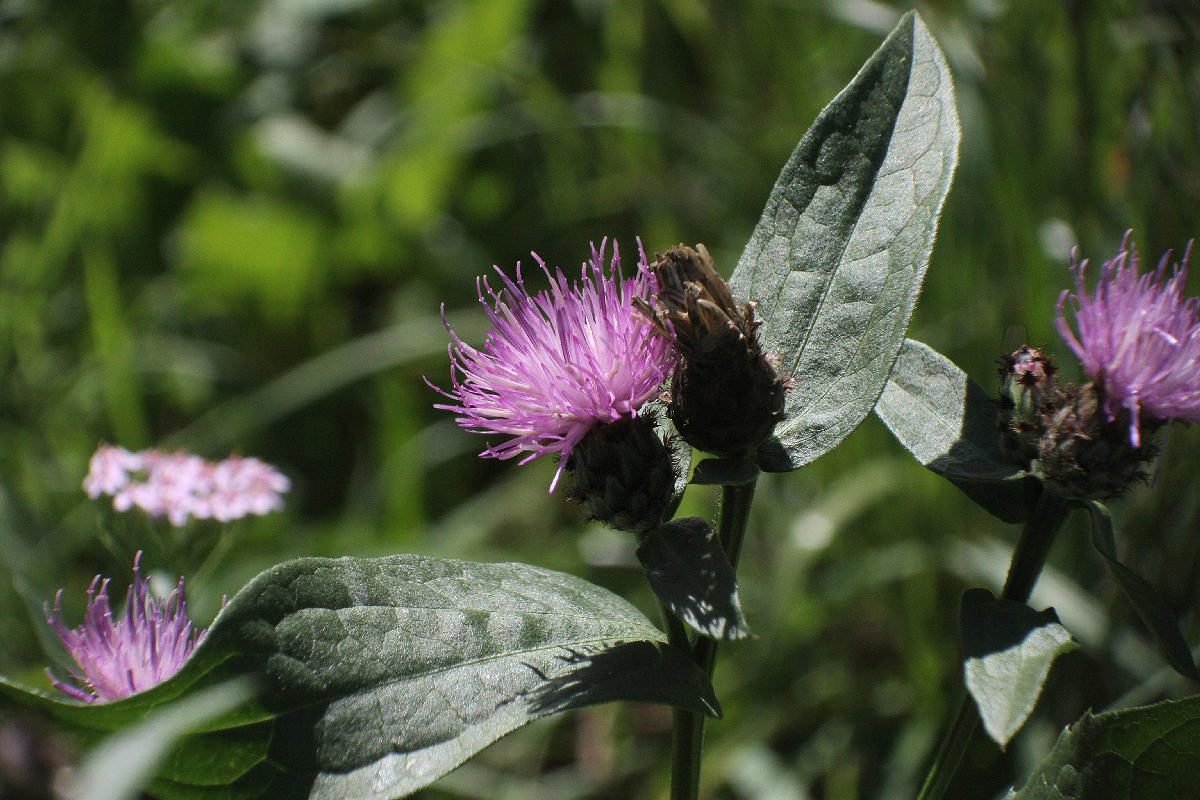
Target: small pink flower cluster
<point>181,485</point>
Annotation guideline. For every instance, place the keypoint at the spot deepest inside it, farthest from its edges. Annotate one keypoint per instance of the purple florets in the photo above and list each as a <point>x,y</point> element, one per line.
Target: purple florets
<point>1138,338</point>
<point>120,656</point>
<point>557,363</point>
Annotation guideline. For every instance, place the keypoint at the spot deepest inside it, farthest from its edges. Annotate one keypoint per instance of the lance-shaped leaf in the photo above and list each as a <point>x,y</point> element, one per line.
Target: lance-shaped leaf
<point>381,675</point>
<point>1007,652</point>
<point>689,571</point>
<point>837,259</point>
<point>1155,614</point>
<point>1145,753</point>
<point>948,422</point>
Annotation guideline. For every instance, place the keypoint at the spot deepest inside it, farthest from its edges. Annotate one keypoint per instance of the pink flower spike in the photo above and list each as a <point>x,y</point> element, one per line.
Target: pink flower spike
<point>109,469</point>
<point>558,362</point>
<point>182,486</point>
<point>120,656</point>
<point>1138,338</point>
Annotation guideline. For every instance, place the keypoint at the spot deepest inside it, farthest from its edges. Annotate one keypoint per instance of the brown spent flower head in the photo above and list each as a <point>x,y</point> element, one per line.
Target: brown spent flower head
<point>726,396</point>
<point>1085,454</point>
<point>1063,433</point>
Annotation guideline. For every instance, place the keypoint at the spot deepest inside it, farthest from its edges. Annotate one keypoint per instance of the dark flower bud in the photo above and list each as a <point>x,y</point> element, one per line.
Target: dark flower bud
<point>625,474</point>
<point>1028,380</point>
<point>1026,387</point>
<point>726,396</point>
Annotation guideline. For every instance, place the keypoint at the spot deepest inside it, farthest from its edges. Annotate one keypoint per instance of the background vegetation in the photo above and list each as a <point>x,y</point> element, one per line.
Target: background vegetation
<point>228,226</point>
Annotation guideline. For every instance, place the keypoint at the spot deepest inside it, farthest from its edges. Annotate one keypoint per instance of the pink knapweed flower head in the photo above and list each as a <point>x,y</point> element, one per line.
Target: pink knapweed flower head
<point>559,362</point>
<point>120,656</point>
<point>181,486</point>
<point>1138,338</point>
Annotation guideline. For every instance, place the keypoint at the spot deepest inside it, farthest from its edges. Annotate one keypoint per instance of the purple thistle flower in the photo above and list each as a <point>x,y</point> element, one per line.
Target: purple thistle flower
<point>120,656</point>
<point>560,362</point>
<point>1138,338</point>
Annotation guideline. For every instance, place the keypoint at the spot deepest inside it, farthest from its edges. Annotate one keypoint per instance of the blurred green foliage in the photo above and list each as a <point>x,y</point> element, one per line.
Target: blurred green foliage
<point>229,226</point>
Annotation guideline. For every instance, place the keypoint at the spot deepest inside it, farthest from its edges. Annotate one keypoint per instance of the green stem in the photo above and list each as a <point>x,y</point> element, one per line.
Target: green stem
<point>689,726</point>
<point>1034,546</point>
<point>1028,559</point>
<point>735,510</point>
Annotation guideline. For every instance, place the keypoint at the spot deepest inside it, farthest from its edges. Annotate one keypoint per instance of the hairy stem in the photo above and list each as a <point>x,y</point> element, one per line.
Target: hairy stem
<point>689,726</point>
<point>1028,559</point>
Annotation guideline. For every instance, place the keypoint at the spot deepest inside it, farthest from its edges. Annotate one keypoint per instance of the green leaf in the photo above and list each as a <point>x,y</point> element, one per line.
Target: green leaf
<point>945,419</point>
<point>124,762</point>
<point>215,750</point>
<point>725,472</point>
<point>1007,652</point>
<point>208,665</point>
<point>1145,753</point>
<point>381,675</point>
<point>1155,614</point>
<point>837,259</point>
<point>948,422</point>
<point>689,571</point>
<point>398,669</point>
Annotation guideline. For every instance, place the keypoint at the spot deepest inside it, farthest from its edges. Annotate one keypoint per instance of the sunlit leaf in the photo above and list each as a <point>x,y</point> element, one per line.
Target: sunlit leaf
<point>948,422</point>
<point>837,259</point>
<point>1007,652</point>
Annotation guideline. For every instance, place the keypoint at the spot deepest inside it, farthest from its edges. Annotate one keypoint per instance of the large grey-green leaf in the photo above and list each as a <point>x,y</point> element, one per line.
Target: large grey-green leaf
<point>837,259</point>
<point>1146,753</point>
<point>1007,652</point>
<point>381,675</point>
<point>948,422</point>
<point>403,667</point>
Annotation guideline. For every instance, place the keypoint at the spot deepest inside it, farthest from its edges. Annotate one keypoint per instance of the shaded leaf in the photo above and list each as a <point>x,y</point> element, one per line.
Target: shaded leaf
<point>948,422</point>
<point>208,665</point>
<point>837,259</point>
<point>1145,753</point>
<point>1007,652</point>
<point>124,762</point>
<point>1149,605</point>
<point>689,571</point>
<point>725,472</point>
